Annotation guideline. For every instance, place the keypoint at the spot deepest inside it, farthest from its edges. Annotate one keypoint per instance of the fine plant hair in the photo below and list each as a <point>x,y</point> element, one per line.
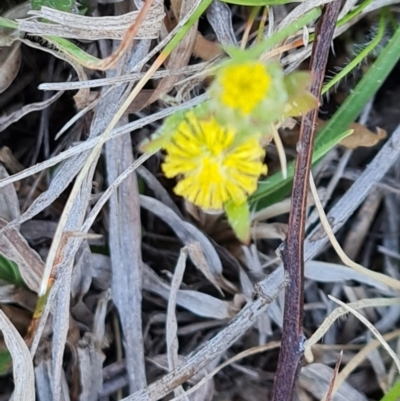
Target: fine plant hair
<point>376,41</point>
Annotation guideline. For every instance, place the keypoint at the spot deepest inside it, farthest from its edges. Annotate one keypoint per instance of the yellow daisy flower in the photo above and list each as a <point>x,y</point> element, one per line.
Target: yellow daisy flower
<point>244,86</point>
<point>214,167</point>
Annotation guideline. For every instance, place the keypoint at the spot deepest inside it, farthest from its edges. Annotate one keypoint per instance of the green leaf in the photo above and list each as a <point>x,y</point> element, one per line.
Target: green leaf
<point>7,23</point>
<point>5,362</point>
<point>275,188</point>
<point>9,272</point>
<point>393,394</point>
<point>239,219</point>
<point>62,5</point>
<point>300,99</point>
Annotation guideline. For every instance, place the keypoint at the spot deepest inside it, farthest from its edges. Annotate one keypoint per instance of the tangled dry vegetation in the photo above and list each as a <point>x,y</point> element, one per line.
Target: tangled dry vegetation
<point>112,287</point>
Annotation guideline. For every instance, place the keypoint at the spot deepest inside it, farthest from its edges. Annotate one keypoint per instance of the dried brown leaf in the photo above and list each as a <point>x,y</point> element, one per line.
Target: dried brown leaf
<point>363,137</point>
<point>206,49</point>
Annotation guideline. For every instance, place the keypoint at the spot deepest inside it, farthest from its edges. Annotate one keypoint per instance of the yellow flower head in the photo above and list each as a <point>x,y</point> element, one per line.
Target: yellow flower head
<point>244,85</point>
<point>215,168</point>
<point>248,94</point>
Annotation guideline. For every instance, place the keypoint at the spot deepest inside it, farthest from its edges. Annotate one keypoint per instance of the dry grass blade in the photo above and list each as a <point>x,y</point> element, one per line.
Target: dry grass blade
<point>68,25</point>
<point>95,83</point>
<point>373,330</point>
<point>197,302</point>
<point>324,272</point>
<point>125,252</point>
<point>360,357</point>
<point>172,326</point>
<point>300,10</point>
<point>219,16</point>
<point>22,363</point>
<point>180,56</point>
<point>356,236</point>
<point>6,121</point>
<point>327,323</point>
<point>383,278</point>
<point>168,38</point>
<point>315,379</point>
<point>189,234</point>
<point>266,292</point>
<point>9,207</point>
<point>158,189</point>
<point>329,395</point>
<point>90,355</point>
<point>15,247</point>
<point>112,61</point>
<point>81,98</point>
<point>251,351</point>
<point>350,201</point>
<point>68,171</point>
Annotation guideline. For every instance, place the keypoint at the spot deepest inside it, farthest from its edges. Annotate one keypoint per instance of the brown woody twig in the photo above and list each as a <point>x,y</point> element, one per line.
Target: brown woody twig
<point>291,353</point>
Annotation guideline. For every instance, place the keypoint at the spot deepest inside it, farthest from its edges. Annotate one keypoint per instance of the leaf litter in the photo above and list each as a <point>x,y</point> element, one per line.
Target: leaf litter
<point>102,291</point>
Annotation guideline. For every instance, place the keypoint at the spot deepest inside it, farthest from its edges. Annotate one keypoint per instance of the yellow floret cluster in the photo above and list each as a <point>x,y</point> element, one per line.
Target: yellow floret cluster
<point>215,167</point>
<point>244,86</point>
<point>216,158</point>
<point>215,151</point>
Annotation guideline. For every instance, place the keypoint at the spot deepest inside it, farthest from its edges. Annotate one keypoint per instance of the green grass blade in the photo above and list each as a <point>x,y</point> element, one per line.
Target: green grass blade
<point>273,188</point>
<point>62,5</point>
<point>9,272</point>
<point>71,50</point>
<point>5,362</point>
<point>360,56</point>
<point>393,394</point>
<point>7,23</point>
